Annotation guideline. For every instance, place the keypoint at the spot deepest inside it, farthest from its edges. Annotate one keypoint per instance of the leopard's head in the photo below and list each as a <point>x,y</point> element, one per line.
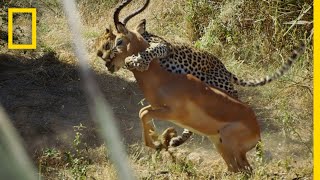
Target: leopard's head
<point>118,45</point>
<point>104,45</point>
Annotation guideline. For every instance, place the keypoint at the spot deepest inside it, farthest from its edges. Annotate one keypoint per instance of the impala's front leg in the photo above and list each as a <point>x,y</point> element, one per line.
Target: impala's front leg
<point>146,114</point>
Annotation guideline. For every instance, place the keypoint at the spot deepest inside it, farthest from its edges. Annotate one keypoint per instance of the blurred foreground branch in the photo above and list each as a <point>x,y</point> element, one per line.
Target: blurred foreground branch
<point>99,108</point>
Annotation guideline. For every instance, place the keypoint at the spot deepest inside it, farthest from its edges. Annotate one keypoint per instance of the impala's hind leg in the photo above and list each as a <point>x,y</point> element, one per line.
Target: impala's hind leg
<point>225,151</point>
<point>146,114</point>
<point>239,140</point>
<point>244,162</point>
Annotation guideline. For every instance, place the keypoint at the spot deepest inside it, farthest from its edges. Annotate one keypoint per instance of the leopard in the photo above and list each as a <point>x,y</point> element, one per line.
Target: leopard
<point>182,59</point>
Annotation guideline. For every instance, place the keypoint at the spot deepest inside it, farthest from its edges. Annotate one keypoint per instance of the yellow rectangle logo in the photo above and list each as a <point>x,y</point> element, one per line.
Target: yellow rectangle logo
<point>33,12</point>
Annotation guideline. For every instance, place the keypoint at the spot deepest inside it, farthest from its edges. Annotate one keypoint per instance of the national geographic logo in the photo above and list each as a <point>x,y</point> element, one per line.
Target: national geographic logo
<point>33,13</point>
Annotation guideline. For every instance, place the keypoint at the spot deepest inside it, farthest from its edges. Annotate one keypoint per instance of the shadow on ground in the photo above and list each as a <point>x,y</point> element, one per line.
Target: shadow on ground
<point>44,99</point>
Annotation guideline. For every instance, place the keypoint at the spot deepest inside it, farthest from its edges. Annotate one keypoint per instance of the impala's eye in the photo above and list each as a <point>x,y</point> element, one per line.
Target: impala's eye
<point>119,42</point>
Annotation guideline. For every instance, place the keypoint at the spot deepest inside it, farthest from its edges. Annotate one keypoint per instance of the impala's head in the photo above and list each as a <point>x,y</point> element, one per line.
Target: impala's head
<point>116,46</point>
<point>121,44</point>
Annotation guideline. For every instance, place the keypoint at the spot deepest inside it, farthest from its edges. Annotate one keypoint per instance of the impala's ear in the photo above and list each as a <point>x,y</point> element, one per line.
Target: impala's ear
<point>141,27</point>
<point>121,28</point>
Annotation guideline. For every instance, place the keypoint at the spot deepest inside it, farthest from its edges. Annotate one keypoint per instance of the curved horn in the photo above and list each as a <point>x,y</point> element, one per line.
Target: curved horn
<point>117,12</point>
<point>126,19</point>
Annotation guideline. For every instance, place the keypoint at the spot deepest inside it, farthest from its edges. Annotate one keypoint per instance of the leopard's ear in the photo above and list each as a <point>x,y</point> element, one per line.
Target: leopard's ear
<point>141,27</point>
<point>109,32</point>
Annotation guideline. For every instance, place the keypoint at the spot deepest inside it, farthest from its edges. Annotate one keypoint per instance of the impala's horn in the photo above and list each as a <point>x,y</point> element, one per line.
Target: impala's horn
<point>117,12</point>
<point>126,19</point>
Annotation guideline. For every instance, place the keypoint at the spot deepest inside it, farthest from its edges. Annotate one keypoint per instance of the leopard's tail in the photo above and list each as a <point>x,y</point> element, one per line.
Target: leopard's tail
<point>267,79</point>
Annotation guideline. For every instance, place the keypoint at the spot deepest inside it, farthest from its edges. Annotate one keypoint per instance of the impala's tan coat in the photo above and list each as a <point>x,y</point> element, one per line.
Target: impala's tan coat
<point>186,101</point>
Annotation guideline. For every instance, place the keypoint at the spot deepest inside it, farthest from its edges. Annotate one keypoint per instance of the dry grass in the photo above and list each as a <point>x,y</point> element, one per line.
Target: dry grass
<point>252,38</point>
<point>182,163</point>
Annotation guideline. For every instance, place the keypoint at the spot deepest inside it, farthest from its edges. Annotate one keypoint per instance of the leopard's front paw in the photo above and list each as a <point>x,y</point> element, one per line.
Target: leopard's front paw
<point>142,67</point>
<point>130,62</point>
<point>137,63</point>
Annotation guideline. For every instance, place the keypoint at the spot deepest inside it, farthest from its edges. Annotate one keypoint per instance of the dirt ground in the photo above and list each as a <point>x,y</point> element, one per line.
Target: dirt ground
<point>44,100</point>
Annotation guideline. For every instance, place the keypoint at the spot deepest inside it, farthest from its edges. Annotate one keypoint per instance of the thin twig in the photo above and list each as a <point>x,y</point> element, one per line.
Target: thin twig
<point>296,21</point>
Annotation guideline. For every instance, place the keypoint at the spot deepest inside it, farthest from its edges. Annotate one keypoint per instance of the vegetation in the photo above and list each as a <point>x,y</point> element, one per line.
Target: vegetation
<point>252,38</point>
